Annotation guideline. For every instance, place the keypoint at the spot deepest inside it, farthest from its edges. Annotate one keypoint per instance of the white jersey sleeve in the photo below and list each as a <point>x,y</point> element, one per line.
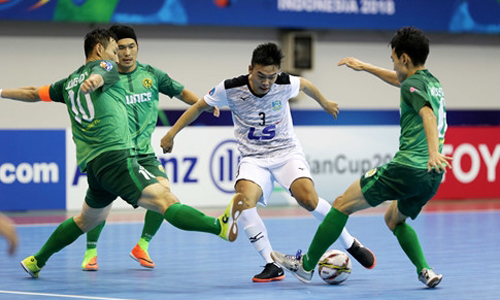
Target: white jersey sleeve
<point>217,96</point>
<point>295,86</point>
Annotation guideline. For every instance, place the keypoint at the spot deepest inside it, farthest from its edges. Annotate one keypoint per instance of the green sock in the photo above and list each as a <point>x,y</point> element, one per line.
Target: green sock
<point>407,238</point>
<point>328,232</point>
<point>152,222</point>
<point>188,218</point>
<point>93,236</point>
<point>66,233</point>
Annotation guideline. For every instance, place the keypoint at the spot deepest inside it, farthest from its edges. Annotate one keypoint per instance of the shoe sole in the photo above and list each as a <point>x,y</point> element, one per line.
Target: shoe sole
<point>236,210</point>
<point>434,282</point>
<point>139,261</point>
<point>277,278</point>
<point>28,270</point>
<point>374,257</point>
<point>91,269</point>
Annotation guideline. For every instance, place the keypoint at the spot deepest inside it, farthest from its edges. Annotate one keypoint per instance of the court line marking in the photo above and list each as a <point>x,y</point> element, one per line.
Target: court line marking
<point>60,295</point>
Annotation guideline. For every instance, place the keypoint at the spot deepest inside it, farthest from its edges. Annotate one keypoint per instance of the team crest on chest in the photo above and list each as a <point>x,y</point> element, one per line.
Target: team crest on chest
<point>147,83</point>
<point>277,105</point>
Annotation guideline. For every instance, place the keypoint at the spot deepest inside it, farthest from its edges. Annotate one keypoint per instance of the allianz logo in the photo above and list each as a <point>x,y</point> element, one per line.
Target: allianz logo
<point>39,172</point>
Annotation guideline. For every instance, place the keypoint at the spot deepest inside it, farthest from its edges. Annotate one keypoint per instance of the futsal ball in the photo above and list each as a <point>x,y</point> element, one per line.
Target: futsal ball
<point>334,267</point>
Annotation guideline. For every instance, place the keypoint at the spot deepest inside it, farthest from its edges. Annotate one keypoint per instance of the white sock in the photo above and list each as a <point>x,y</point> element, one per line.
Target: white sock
<point>257,233</point>
<point>321,211</point>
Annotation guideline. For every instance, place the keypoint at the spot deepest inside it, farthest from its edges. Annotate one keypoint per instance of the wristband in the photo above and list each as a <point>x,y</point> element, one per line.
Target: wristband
<point>1,94</point>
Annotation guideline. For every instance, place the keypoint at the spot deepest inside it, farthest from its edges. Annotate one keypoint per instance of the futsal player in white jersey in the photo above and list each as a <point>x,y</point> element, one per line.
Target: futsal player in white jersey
<point>269,149</point>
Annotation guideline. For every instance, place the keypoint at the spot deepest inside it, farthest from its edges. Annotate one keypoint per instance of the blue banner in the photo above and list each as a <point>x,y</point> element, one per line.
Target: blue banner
<point>481,16</point>
<point>32,170</point>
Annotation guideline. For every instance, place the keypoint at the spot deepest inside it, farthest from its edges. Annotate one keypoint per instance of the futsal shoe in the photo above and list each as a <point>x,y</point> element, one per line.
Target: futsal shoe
<point>429,278</point>
<point>228,220</point>
<point>362,254</point>
<point>293,263</point>
<point>30,265</point>
<point>142,257</point>
<point>90,263</point>
<point>272,272</point>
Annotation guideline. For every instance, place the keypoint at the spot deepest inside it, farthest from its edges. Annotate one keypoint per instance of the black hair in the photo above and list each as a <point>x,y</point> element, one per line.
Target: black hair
<point>268,54</point>
<point>97,36</point>
<point>123,32</point>
<point>413,42</point>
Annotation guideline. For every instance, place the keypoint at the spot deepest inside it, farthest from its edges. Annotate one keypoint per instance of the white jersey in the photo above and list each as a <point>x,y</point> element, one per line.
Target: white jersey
<point>263,125</point>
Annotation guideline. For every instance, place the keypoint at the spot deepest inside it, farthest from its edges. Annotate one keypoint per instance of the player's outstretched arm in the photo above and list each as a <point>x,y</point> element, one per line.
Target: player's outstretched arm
<point>191,98</point>
<point>191,114</point>
<point>312,91</point>
<point>437,161</point>
<point>24,94</point>
<point>386,75</point>
<point>8,230</point>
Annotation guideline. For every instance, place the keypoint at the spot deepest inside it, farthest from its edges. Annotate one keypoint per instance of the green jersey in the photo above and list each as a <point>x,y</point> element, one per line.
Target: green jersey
<point>143,86</point>
<point>99,119</point>
<point>419,90</point>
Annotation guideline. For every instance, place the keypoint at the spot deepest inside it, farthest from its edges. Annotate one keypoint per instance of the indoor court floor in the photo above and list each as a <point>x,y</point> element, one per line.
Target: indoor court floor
<point>460,241</point>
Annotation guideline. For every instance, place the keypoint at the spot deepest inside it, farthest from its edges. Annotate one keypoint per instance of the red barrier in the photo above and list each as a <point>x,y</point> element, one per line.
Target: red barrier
<point>476,163</point>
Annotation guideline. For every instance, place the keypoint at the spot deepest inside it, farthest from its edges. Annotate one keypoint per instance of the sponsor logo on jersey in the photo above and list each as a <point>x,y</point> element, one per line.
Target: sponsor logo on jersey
<point>412,89</point>
<point>139,98</point>
<point>147,83</point>
<point>106,65</point>
<point>277,105</point>
<point>212,91</point>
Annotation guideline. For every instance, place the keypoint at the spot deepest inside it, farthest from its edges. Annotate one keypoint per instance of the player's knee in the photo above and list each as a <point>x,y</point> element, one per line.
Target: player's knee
<point>390,220</point>
<point>308,201</point>
<point>341,204</point>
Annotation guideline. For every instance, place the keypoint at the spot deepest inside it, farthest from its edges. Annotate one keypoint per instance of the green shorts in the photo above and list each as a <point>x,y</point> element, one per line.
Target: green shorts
<point>116,174</point>
<point>151,163</point>
<point>411,187</point>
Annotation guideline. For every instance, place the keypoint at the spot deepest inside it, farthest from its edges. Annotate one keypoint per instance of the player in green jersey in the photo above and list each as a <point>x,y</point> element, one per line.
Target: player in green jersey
<point>411,179</point>
<point>143,85</point>
<point>95,98</point>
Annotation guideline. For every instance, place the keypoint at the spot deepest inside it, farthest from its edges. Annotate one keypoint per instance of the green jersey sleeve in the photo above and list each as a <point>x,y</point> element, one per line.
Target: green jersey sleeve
<point>56,91</point>
<point>414,94</point>
<point>109,72</point>
<point>167,85</point>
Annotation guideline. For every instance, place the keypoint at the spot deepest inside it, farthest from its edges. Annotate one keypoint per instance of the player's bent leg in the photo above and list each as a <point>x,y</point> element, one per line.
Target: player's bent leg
<point>157,198</point>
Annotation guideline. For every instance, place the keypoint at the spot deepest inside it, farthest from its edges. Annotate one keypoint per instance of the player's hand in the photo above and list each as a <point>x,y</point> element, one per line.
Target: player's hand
<point>438,162</point>
<point>92,83</point>
<point>352,63</point>
<point>167,143</point>
<point>215,111</point>
<point>8,230</point>
<point>332,108</point>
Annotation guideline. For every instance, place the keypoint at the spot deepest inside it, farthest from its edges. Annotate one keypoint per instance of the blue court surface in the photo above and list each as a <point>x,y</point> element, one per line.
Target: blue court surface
<point>463,246</point>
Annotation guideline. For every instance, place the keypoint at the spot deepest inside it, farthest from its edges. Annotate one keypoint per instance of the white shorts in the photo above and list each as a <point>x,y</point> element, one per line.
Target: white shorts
<point>264,172</point>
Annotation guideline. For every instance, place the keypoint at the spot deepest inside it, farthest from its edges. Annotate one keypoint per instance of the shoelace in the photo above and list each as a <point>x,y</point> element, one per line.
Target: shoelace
<point>296,257</point>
